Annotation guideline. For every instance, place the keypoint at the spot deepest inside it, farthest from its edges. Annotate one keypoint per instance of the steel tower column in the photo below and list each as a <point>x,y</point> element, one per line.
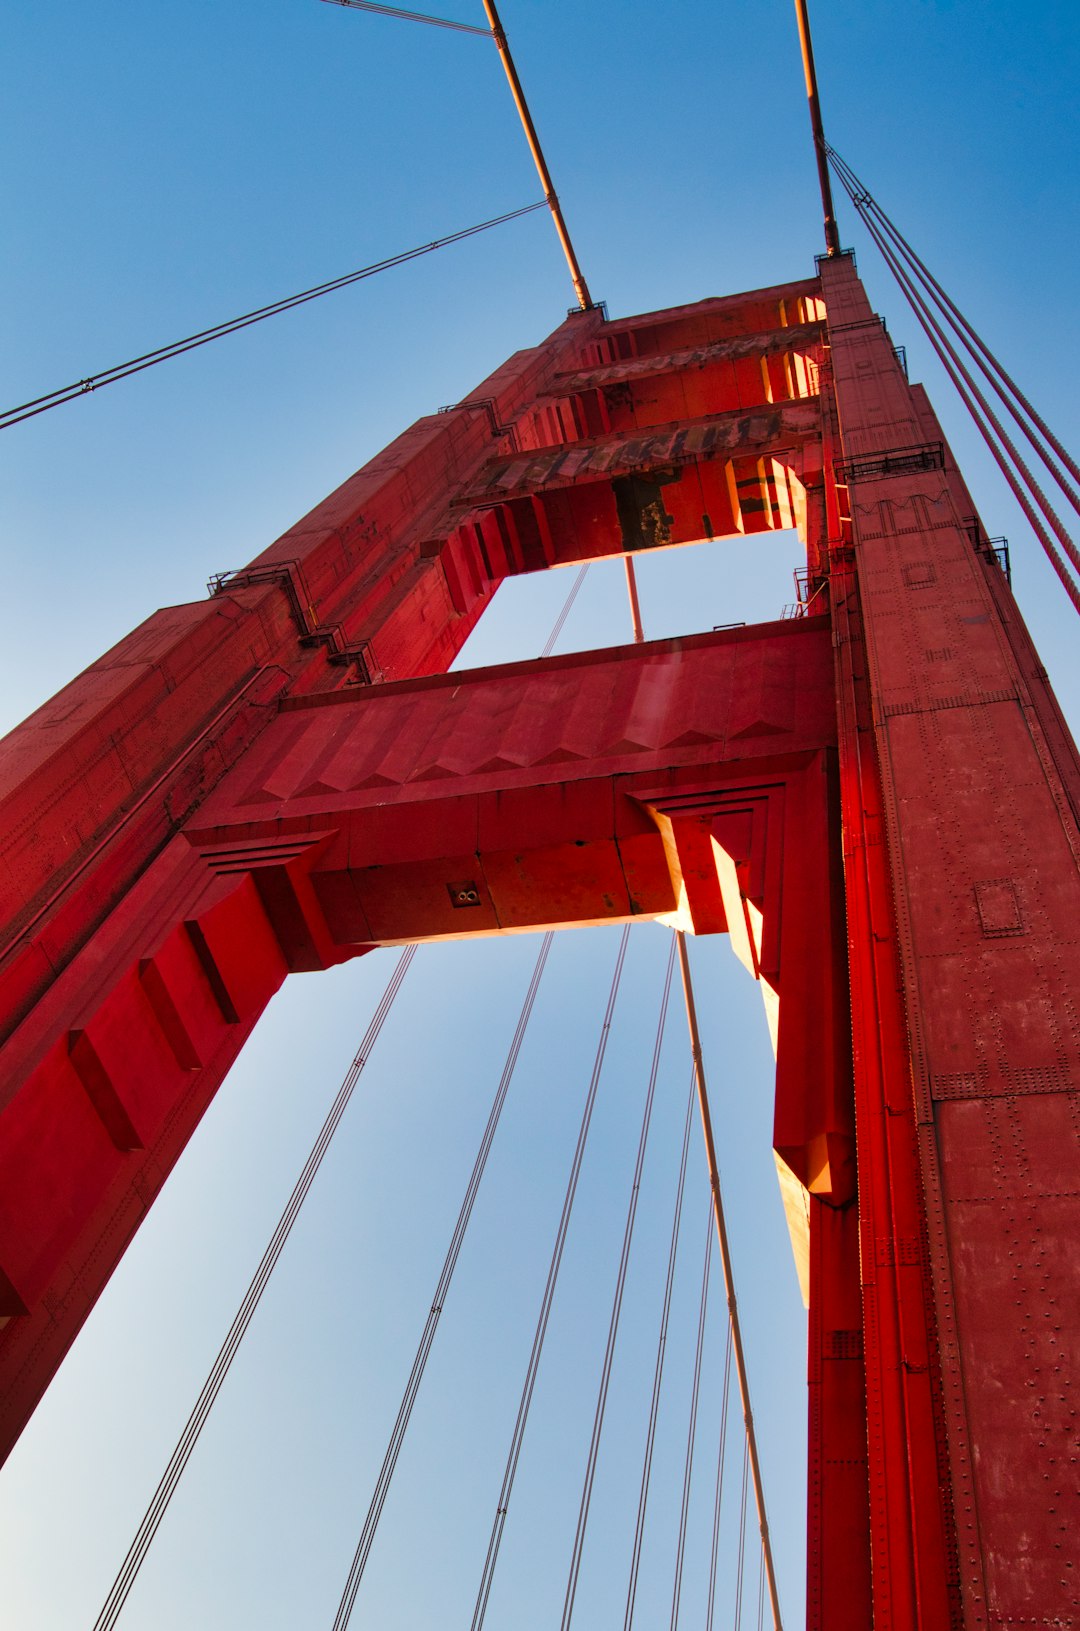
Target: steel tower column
<point>876,800</point>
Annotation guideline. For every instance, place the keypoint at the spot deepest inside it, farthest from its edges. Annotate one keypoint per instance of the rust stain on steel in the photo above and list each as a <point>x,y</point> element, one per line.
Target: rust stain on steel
<point>768,428</point>
<point>639,501</point>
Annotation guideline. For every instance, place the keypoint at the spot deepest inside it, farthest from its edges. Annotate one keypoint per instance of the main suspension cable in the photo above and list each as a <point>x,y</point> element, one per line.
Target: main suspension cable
<point>658,1370</point>
<point>996,438</point>
<point>999,378</point>
<point>427,1337</point>
<point>832,231</point>
<point>616,1307</point>
<point>149,359</point>
<point>691,1435</point>
<point>533,1366</point>
<point>181,1455</point>
<point>1024,497</point>
<point>577,277</point>
<point>939,339</point>
<point>958,375</point>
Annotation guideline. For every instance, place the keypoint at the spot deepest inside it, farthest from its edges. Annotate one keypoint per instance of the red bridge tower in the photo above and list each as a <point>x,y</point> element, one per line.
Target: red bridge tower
<point>876,800</point>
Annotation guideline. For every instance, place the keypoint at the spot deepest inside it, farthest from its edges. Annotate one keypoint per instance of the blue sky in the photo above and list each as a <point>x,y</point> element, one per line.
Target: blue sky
<point>172,167</point>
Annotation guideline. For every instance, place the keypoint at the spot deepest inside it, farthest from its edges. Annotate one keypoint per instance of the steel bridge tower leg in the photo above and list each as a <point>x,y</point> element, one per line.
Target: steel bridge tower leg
<point>876,800</point>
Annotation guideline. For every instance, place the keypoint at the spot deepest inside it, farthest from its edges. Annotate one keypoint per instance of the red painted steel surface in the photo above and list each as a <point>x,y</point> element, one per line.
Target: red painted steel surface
<point>877,803</point>
<point>979,792</point>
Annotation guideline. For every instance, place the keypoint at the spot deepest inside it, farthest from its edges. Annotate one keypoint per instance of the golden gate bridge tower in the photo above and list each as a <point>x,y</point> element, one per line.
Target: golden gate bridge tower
<point>877,800</point>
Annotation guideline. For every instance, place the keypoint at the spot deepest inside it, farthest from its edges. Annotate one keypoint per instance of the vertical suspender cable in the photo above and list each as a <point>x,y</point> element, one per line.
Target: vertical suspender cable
<point>560,621</point>
<point>152,1518</point>
<point>616,1307</point>
<point>533,1366</point>
<point>661,1348</point>
<point>729,1281</point>
<point>761,1592</point>
<point>719,1494</point>
<point>740,1569</point>
<point>695,1394</point>
<point>427,1337</point>
<point>721,1229</point>
<point>181,1455</point>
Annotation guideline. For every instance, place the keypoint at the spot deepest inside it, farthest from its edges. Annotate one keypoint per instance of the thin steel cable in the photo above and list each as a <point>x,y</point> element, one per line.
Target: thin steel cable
<point>741,1370</point>
<point>761,1592</point>
<point>616,1306</point>
<point>151,1520</point>
<point>1052,553</point>
<point>995,372</point>
<point>702,1091</point>
<point>411,16</point>
<point>518,1435</point>
<point>149,359</point>
<point>718,1497</point>
<point>497,33</point>
<point>427,1338</point>
<point>691,1434</point>
<point>560,621</point>
<point>658,1372</point>
<point>740,1571</point>
<point>926,317</point>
